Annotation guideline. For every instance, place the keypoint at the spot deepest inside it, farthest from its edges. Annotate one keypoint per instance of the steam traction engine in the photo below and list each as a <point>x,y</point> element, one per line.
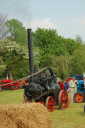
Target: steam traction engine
<point>42,85</point>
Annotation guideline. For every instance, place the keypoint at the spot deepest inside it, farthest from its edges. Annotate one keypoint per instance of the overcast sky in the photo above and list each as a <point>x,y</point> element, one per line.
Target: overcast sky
<point>66,16</point>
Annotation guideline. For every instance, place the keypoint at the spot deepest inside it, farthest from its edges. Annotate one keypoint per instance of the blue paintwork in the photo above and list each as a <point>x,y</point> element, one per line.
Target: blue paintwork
<point>80,86</point>
<point>79,77</point>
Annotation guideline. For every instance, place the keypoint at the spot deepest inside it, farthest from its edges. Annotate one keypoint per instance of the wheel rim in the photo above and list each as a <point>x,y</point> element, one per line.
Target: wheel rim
<point>50,104</point>
<point>63,99</point>
<point>79,98</point>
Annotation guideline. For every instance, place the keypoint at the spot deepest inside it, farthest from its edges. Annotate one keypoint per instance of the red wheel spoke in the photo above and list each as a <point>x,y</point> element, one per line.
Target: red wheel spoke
<point>50,103</point>
<point>63,105</point>
<point>62,95</point>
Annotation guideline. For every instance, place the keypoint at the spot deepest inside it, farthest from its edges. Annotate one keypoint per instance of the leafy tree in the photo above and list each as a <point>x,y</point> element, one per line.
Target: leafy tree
<point>61,65</point>
<point>71,45</point>
<point>3,28</point>
<point>11,54</point>
<point>17,31</point>
<point>78,40</point>
<point>22,68</point>
<point>2,68</point>
<point>48,41</point>
<point>36,55</point>
<point>49,44</point>
<point>78,61</point>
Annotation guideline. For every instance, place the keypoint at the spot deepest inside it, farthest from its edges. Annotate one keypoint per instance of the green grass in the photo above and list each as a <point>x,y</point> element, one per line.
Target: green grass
<point>73,117</point>
<point>11,96</point>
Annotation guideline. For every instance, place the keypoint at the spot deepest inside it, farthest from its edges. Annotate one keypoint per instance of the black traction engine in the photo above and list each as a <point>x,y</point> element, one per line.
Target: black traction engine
<point>42,85</point>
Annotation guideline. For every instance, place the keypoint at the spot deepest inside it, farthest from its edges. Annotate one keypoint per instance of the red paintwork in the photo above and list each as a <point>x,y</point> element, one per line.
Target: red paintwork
<point>64,99</point>
<point>51,104</point>
<point>79,98</point>
<point>10,84</point>
<point>69,79</point>
<point>61,85</point>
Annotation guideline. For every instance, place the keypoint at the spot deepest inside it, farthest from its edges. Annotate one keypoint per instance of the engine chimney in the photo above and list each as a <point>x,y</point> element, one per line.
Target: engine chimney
<point>30,52</point>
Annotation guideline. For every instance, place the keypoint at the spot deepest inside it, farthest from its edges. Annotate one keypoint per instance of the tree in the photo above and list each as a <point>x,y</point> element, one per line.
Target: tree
<point>78,61</point>
<point>78,40</point>
<point>2,68</point>
<point>11,54</point>
<point>18,32</point>
<point>3,28</point>
<point>22,68</point>
<point>49,41</point>
<point>61,65</point>
<point>70,45</point>
<point>49,44</point>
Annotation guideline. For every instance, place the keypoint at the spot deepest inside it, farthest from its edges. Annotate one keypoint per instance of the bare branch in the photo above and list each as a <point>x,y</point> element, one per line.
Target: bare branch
<point>3,28</point>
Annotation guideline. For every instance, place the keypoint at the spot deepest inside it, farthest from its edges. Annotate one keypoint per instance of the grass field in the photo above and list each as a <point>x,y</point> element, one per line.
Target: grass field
<point>73,117</point>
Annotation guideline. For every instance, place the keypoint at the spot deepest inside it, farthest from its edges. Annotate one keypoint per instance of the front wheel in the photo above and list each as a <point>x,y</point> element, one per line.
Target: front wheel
<point>50,104</point>
<point>79,97</point>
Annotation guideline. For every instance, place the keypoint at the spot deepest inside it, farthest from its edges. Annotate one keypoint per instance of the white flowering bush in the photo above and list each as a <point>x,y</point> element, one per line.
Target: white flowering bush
<point>36,55</point>
<point>11,53</point>
<point>7,46</point>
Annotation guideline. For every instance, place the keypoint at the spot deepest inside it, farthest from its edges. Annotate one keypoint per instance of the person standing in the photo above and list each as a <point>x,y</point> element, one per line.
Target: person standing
<point>72,88</point>
<point>66,86</point>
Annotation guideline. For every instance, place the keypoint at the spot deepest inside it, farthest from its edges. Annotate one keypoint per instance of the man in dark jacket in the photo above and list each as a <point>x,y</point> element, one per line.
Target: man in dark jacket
<point>66,86</point>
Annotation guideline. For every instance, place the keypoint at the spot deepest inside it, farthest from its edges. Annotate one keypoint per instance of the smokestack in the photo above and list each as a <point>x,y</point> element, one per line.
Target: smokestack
<point>30,52</point>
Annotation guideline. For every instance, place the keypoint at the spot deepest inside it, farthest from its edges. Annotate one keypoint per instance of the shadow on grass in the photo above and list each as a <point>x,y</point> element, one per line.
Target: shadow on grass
<point>81,113</point>
<point>57,108</point>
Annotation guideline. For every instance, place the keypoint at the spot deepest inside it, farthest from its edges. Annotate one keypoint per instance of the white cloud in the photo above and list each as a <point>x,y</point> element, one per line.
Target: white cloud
<point>66,28</point>
<point>46,23</point>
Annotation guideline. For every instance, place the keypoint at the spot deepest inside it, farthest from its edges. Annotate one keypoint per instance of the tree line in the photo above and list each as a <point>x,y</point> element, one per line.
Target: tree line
<point>66,56</point>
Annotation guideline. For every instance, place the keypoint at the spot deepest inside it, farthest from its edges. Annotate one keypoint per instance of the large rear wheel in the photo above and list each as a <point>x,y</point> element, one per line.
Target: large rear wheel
<point>63,99</point>
<point>79,97</point>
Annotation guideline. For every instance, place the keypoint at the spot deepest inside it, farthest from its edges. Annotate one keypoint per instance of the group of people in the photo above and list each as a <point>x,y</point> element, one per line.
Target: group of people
<point>70,87</point>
